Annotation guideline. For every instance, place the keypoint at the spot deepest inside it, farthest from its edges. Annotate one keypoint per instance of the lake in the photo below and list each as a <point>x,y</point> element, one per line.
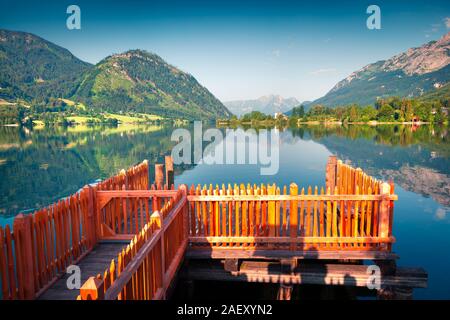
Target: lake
<point>37,167</point>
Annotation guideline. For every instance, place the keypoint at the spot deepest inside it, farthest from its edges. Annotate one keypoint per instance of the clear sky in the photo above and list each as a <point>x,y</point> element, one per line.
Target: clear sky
<point>240,49</point>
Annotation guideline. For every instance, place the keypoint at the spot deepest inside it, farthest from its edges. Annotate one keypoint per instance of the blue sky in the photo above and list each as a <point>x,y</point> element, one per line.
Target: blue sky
<point>240,49</point>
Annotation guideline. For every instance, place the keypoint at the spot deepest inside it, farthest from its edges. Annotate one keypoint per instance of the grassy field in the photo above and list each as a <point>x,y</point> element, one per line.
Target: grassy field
<point>121,118</point>
<point>71,103</point>
<point>133,119</point>
<point>142,128</point>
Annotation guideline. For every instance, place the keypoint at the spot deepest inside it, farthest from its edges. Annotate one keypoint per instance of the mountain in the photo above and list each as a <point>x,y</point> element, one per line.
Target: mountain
<point>33,68</point>
<point>440,93</point>
<point>266,104</point>
<point>408,74</point>
<point>143,82</point>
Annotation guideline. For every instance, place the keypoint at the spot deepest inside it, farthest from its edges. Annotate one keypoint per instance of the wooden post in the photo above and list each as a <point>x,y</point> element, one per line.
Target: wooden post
<point>231,265</point>
<point>169,172</point>
<point>330,179</point>
<point>391,211</point>
<point>124,173</point>
<point>284,291</point>
<point>25,224</point>
<point>271,212</point>
<point>159,176</point>
<point>287,268</point>
<point>146,185</point>
<point>293,212</point>
<point>158,220</point>
<point>184,189</point>
<point>91,217</point>
<point>92,289</point>
<point>383,228</point>
<point>159,183</point>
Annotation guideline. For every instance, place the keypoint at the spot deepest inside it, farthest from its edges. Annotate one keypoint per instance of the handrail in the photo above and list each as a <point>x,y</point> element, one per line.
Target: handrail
<point>354,211</point>
<point>126,274</point>
<point>36,250</point>
<point>298,240</point>
<point>143,251</point>
<point>345,197</point>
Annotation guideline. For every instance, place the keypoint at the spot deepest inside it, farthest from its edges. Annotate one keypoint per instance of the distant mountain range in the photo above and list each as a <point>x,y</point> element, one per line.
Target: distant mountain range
<point>408,74</point>
<point>35,70</point>
<point>267,104</point>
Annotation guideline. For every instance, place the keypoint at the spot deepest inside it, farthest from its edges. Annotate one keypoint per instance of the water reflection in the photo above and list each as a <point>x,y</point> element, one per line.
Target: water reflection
<point>40,166</point>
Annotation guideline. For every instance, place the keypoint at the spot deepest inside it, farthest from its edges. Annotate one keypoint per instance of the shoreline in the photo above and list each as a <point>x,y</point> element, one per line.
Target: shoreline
<point>39,124</point>
<point>369,123</point>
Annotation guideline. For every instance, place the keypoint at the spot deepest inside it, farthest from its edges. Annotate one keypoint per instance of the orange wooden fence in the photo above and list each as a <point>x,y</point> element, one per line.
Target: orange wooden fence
<point>353,212</point>
<point>121,214</point>
<point>348,179</point>
<point>145,269</point>
<point>268,216</point>
<point>41,245</point>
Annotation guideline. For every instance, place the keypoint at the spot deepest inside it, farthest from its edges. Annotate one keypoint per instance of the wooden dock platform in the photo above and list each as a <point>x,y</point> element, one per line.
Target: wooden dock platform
<point>253,233</point>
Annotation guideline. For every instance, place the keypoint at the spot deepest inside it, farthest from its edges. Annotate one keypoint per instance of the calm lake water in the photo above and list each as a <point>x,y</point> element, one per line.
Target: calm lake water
<point>40,166</point>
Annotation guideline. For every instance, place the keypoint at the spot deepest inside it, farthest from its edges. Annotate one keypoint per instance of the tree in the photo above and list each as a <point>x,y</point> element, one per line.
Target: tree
<point>438,114</point>
<point>408,113</point>
<point>386,113</point>
<point>368,113</point>
<point>354,113</point>
<point>298,112</point>
<point>340,112</point>
<point>255,115</point>
<point>423,111</point>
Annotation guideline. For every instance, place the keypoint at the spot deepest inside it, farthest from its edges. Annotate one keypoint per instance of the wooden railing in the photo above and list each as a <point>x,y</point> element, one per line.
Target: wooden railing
<point>355,217</point>
<point>145,269</point>
<point>264,217</point>
<point>349,180</point>
<point>121,214</point>
<point>39,246</point>
<point>353,212</point>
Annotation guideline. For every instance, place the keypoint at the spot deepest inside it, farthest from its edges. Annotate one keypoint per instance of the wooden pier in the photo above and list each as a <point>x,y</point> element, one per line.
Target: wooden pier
<point>131,239</point>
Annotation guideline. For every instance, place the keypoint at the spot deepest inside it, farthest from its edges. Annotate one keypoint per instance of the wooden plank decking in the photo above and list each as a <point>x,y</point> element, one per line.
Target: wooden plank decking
<point>94,263</point>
